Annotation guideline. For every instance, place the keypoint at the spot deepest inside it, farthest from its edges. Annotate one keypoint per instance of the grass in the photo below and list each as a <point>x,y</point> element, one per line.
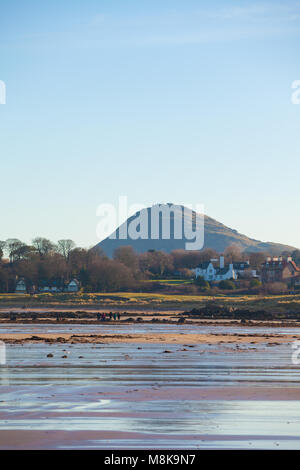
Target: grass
<point>170,282</point>
<point>278,303</point>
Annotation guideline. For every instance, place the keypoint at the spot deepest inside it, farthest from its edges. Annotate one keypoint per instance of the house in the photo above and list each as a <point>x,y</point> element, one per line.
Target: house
<point>50,286</point>
<point>215,271</point>
<point>73,286</point>
<point>243,267</point>
<point>21,287</point>
<point>49,289</point>
<point>280,270</point>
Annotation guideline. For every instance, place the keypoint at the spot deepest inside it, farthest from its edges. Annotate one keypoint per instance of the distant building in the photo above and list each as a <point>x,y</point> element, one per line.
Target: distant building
<point>21,287</point>
<point>243,267</point>
<point>280,270</point>
<point>73,286</point>
<point>50,286</point>
<point>49,289</point>
<point>215,270</point>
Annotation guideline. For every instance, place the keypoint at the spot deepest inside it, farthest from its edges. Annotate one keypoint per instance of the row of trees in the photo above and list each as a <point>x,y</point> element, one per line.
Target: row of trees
<point>44,262</point>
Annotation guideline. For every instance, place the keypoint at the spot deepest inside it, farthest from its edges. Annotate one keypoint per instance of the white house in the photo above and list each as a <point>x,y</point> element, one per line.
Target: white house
<point>210,272</point>
<point>73,286</point>
<point>21,287</point>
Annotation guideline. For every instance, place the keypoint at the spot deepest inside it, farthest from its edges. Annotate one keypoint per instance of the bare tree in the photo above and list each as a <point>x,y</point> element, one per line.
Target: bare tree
<point>233,253</point>
<point>127,256</point>
<point>256,259</point>
<point>2,247</point>
<point>13,246</point>
<point>42,245</point>
<point>64,247</point>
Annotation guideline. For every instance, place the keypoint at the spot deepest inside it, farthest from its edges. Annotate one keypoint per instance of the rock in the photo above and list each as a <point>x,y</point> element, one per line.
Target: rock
<point>60,339</point>
<point>49,355</point>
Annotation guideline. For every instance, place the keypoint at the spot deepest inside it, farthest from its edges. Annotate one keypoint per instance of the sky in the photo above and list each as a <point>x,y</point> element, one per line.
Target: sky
<point>160,101</point>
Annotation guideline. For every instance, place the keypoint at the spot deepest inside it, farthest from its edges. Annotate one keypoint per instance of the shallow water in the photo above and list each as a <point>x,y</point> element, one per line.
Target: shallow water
<point>97,392</point>
<point>143,328</point>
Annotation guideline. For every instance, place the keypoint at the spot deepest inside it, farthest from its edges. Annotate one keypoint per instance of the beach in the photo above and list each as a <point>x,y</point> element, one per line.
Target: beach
<point>149,386</point>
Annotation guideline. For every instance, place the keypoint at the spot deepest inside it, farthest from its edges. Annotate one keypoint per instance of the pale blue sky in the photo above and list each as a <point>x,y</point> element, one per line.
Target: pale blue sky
<point>162,101</point>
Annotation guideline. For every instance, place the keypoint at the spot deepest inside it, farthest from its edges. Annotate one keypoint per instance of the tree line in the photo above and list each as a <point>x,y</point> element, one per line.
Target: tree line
<point>46,263</point>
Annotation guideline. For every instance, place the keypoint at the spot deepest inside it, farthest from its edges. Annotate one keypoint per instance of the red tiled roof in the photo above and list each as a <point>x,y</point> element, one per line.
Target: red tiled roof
<point>295,266</point>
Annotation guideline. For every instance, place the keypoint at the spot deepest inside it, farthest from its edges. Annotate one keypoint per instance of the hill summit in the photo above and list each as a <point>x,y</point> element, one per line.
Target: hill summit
<point>215,235</point>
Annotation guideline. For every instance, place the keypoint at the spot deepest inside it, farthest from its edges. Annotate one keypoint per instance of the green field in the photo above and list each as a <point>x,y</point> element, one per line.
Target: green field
<point>278,303</point>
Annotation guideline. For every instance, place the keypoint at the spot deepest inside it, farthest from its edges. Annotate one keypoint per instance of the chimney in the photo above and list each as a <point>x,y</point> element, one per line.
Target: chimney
<point>221,262</point>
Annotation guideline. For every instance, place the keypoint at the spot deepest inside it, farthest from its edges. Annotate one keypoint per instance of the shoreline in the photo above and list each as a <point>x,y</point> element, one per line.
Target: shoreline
<point>162,338</point>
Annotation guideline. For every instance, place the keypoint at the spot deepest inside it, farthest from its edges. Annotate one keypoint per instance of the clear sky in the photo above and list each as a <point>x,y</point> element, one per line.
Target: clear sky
<point>163,101</point>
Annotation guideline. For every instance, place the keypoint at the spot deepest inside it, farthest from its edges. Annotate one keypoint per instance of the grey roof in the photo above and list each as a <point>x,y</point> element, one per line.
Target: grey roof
<point>204,265</point>
<point>241,265</point>
<point>222,270</point>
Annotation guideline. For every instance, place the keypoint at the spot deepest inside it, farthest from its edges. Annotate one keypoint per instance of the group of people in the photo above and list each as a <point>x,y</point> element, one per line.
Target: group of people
<point>112,316</point>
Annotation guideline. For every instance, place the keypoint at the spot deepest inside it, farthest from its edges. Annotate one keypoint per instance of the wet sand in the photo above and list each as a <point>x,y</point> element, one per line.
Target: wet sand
<point>68,440</point>
<point>175,387</point>
<point>166,338</point>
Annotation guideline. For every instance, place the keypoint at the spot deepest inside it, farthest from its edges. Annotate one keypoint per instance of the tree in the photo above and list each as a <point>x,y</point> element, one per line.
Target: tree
<point>201,282</point>
<point>233,254</point>
<point>207,255</point>
<point>42,245</point>
<point>107,275</point>
<point>22,252</point>
<point>186,273</point>
<point>255,283</point>
<point>2,247</point>
<point>13,246</point>
<point>191,259</point>
<point>127,256</point>
<point>256,259</point>
<point>64,247</point>
<point>226,285</point>
<point>156,262</point>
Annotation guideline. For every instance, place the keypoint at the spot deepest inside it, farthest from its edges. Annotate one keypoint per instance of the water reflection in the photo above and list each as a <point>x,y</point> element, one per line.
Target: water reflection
<point>79,393</point>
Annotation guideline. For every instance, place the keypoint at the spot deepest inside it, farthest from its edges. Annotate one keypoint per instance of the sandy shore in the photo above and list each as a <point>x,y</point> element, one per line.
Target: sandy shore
<point>157,386</point>
<point>169,338</point>
<point>29,439</point>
